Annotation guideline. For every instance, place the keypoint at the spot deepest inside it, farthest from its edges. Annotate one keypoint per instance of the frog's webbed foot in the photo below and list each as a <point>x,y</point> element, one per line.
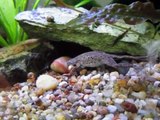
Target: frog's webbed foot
<point>72,71</point>
<point>123,67</point>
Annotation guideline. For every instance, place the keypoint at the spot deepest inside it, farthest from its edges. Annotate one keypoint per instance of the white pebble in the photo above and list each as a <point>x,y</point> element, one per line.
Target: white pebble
<point>140,103</point>
<point>116,74</point>
<point>98,117</point>
<point>157,84</point>
<point>131,72</point>
<point>1,99</point>
<point>72,97</point>
<point>96,76</point>
<point>106,76</point>
<point>143,112</point>
<point>24,117</point>
<point>140,95</point>
<point>134,78</point>
<point>123,117</point>
<point>108,93</point>
<point>88,108</point>
<point>137,117</point>
<point>156,67</point>
<point>108,117</point>
<point>118,100</point>
<point>112,108</point>
<point>63,83</point>
<point>94,72</point>
<point>86,77</point>
<point>46,82</point>
<point>24,88</point>
<point>86,97</point>
<point>151,104</point>
<point>113,78</point>
<point>34,98</point>
<point>156,75</point>
<point>50,117</point>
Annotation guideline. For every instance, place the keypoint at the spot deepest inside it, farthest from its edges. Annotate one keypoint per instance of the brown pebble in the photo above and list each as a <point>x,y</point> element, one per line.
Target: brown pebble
<point>83,72</point>
<point>16,87</point>
<point>102,103</point>
<point>139,87</point>
<point>122,83</point>
<point>89,102</point>
<point>40,104</point>
<point>102,110</point>
<point>68,105</point>
<point>93,82</point>
<point>130,107</point>
<point>77,87</point>
<point>39,91</point>
<point>31,77</point>
<point>89,115</point>
<point>3,81</point>
<point>81,115</point>
<point>72,80</point>
<point>88,91</point>
<point>100,86</point>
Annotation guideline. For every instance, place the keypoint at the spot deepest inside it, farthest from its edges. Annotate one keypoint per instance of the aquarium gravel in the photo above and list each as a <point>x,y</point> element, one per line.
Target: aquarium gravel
<point>90,95</point>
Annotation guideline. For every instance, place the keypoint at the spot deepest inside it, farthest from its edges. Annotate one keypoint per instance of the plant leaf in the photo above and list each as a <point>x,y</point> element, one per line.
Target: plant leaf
<point>7,14</point>
<point>36,4</point>
<point>46,3</point>
<point>83,2</point>
<point>3,41</point>
<point>20,5</point>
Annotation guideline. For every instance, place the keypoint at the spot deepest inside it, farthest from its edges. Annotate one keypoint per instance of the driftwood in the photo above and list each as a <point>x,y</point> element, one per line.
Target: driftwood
<point>17,60</point>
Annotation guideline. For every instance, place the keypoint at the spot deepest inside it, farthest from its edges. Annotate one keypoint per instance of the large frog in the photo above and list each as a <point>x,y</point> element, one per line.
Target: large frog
<point>99,58</point>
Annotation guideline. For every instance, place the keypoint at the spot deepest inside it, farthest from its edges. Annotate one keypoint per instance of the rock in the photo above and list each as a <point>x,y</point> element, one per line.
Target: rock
<point>102,110</point>
<point>157,84</point>
<point>130,107</point>
<point>112,108</point>
<point>72,97</point>
<point>37,24</point>
<point>114,75</point>
<point>60,116</point>
<point>46,82</point>
<point>140,95</point>
<point>17,60</point>
<point>3,81</point>
<point>156,75</point>
<point>109,117</point>
<point>60,65</point>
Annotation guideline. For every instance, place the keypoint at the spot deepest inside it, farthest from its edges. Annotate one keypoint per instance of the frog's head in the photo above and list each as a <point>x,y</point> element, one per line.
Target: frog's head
<point>73,62</point>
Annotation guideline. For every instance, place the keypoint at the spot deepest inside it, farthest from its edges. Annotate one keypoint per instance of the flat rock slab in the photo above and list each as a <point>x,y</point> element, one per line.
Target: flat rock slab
<point>51,24</point>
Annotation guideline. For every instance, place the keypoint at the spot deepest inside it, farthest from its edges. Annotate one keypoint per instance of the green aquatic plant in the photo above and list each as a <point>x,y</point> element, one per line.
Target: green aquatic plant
<point>10,31</point>
<point>75,3</point>
<point>83,2</point>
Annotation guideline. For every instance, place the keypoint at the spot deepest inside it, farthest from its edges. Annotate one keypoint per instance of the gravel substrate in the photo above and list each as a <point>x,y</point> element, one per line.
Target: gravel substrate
<point>92,95</point>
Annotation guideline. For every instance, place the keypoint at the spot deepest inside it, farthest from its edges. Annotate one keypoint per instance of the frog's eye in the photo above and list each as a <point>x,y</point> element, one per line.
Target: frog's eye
<point>70,67</point>
<point>78,64</point>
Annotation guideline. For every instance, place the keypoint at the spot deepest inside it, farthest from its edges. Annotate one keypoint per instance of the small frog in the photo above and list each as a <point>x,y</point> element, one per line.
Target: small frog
<point>99,58</point>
